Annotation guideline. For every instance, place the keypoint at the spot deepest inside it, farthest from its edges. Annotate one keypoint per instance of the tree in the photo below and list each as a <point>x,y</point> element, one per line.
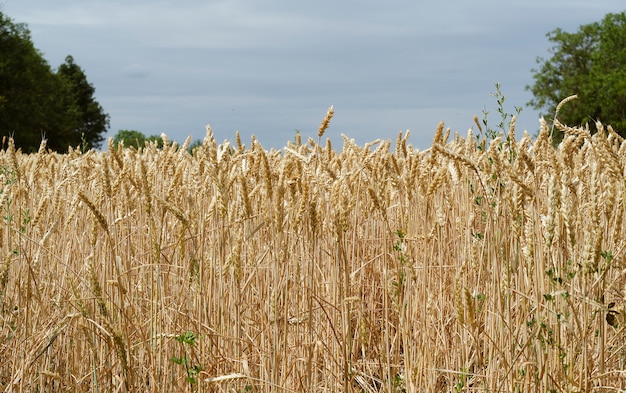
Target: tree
<point>136,139</point>
<point>26,82</point>
<point>37,103</point>
<point>590,63</point>
<point>86,120</point>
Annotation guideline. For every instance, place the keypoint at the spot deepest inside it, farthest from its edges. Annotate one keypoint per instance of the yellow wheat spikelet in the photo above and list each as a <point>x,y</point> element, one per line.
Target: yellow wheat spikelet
<point>174,210</point>
<point>325,122</point>
<point>563,102</point>
<point>97,214</point>
<point>480,129</point>
<point>13,160</point>
<point>240,146</point>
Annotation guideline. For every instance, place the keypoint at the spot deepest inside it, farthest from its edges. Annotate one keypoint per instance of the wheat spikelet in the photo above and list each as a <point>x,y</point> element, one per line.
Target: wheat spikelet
<point>279,206</point>
<point>563,102</point>
<point>437,181</point>
<point>480,129</point>
<point>245,195</point>
<point>438,138</point>
<point>116,153</point>
<point>146,186</point>
<point>399,144</point>
<point>186,144</point>
<point>615,136</point>
<point>397,172</point>
<point>174,210</point>
<point>470,144</point>
<point>94,285</point>
<point>342,199</point>
<point>314,219</point>
<point>13,160</point>
<point>544,139</point>
<point>606,156</point>
<point>106,178</point>
<point>608,200</point>
<point>566,153</point>
<point>575,131</point>
<point>41,208</point>
<point>234,257</point>
<point>267,174</point>
<point>97,214</point>
<point>519,176</point>
<point>454,172</point>
<point>240,146</point>
<point>403,148</point>
<point>591,253</point>
<point>42,147</point>
<point>328,151</point>
<point>34,166</point>
<point>305,197</point>
<point>511,135</point>
<point>454,157</point>
<point>325,122</point>
<point>527,160</point>
<point>176,183</point>
<point>445,138</point>
<point>469,306</point>
<point>377,202</point>
<point>517,211</point>
<point>210,145</point>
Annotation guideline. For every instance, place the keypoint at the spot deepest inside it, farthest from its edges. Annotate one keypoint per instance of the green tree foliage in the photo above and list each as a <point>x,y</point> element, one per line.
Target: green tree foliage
<point>25,85</point>
<point>85,118</point>
<point>136,139</point>
<point>590,63</point>
<point>37,103</point>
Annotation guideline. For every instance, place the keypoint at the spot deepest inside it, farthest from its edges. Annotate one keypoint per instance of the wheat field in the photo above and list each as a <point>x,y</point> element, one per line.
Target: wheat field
<point>473,266</point>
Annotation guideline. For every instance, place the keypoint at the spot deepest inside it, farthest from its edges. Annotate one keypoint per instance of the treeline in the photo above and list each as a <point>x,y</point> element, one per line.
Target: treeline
<point>37,102</point>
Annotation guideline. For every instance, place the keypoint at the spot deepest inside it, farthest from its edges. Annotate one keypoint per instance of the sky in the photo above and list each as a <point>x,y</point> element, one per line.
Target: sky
<point>271,68</point>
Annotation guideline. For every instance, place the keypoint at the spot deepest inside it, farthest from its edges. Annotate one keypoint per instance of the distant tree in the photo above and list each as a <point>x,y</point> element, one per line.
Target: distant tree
<point>129,138</point>
<point>136,139</point>
<point>37,103</point>
<point>157,139</point>
<point>590,63</point>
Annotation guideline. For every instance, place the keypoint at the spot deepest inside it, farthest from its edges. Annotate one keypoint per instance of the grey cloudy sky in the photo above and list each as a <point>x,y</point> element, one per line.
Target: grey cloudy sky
<point>269,67</point>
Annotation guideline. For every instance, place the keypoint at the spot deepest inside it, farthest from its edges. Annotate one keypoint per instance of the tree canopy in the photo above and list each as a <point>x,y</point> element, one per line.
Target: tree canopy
<point>590,63</point>
<point>136,139</point>
<point>37,102</point>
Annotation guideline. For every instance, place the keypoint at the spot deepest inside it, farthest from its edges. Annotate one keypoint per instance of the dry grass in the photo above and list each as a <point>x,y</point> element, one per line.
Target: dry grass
<point>466,267</point>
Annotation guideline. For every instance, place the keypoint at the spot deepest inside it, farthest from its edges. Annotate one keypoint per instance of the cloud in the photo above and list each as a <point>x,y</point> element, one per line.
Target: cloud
<point>135,71</point>
<point>269,68</point>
